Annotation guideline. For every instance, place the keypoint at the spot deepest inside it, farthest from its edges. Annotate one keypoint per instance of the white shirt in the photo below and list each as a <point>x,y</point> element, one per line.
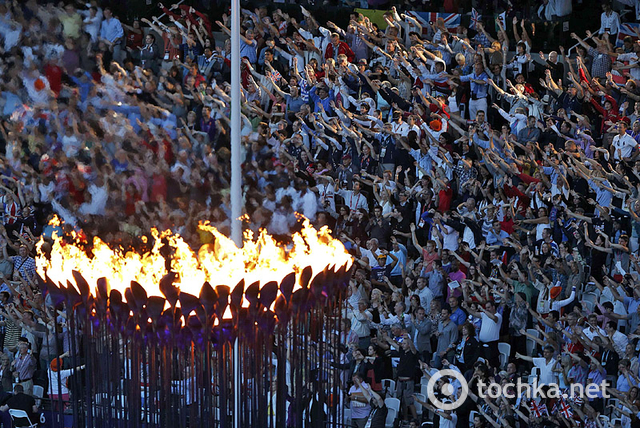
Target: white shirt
<point>624,144</point>
<point>632,58</point>
<point>547,376</point>
<point>400,128</point>
<point>99,197</point>
<point>490,330</point>
<point>326,191</point>
<point>620,342</point>
<point>92,25</point>
<point>592,333</point>
<point>610,22</point>
<point>70,145</point>
<point>446,423</point>
<point>449,238</point>
<point>354,201</point>
<point>360,323</point>
<point>54,388</point>
<point>547,11</point>
<point>371,256</point>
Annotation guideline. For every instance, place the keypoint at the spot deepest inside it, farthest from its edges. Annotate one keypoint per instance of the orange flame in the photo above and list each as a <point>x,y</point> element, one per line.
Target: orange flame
<point>262,259</point>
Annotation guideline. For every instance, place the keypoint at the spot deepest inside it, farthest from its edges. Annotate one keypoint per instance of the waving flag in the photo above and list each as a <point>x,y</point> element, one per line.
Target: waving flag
<point>565,409</point>
<point>451,20</point>
<point>475,18</point>
<point>627,29</point>
<point>538,410</point>
<point>275,75</point>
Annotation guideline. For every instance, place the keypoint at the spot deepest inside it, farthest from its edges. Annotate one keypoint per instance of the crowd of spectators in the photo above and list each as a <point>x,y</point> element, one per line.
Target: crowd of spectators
<point>489,194</point>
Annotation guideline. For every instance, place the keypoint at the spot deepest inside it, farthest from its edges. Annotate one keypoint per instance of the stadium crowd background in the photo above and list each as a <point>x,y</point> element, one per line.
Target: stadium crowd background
<point>486,179</point>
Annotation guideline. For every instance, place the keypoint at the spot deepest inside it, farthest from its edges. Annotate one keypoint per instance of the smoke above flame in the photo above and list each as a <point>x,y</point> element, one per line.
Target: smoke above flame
<point>221,263</point>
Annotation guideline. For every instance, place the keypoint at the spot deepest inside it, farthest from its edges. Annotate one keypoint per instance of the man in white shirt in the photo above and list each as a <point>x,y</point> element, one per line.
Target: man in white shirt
<point>325,191</point>
<point>399,126</point>
<point>353,198</point>
<point>632,59</point>
<point>609,22</point>
<point>448,418</point>
<point>489,330</point>
<point>372,252</point>
<point>593,329</point>
<point>361,324</point>
<point>618,339</point>
<point>546,365</point>
<point>623,143</point>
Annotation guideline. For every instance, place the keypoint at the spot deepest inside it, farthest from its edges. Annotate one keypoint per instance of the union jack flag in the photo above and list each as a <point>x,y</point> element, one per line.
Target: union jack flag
<point>275,75</point>
<point>475,18</point>
<point>576,399</point>
<point>627,29</point>
<point>538,409</point>
<point>565,409</point>
<point>451,20</point>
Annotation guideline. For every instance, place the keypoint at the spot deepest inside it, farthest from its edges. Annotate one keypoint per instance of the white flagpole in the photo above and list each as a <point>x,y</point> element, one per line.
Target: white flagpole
<point>236,179</point>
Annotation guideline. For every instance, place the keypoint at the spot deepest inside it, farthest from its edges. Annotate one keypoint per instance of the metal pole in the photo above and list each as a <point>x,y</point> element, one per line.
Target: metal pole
<point>164,14</point>
<point>236,179</point>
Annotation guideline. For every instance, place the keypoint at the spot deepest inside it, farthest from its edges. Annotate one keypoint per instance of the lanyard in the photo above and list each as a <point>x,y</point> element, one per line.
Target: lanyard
<point>351,199</point>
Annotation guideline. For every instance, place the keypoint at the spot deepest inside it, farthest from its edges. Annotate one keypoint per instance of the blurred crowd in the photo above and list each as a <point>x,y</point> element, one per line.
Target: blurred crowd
<point>488,193</point>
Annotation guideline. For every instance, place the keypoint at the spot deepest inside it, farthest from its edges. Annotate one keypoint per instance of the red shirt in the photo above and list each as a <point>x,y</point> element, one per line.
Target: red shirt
<point>54,76</point>
<point>444,199</point>
<point>507,226</point>
<point>134,40</point>
<point>158,188</point>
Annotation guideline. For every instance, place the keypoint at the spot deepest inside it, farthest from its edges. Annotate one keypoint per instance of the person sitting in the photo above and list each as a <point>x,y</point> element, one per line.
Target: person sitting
<point>21,401</point>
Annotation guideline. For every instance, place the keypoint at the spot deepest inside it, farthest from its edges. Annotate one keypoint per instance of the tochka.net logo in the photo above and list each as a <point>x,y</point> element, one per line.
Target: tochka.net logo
<point>455,385</point>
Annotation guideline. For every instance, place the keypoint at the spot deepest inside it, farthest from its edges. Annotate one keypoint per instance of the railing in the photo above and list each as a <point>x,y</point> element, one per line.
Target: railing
<point>578,44</point>
<point>163,14</point>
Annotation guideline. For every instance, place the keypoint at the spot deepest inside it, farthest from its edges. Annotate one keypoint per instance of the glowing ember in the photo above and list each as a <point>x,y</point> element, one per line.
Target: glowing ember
<point>262,259</point>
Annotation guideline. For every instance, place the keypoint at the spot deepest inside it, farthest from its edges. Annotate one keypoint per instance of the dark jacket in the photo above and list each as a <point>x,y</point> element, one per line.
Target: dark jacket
<point>470,353</point>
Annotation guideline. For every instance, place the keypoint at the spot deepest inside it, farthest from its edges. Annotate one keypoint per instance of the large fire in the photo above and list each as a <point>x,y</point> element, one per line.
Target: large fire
<point>262,259</point>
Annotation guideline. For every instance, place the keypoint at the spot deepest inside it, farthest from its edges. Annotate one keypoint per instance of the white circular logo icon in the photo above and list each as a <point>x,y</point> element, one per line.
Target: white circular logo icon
<point>447,389</point>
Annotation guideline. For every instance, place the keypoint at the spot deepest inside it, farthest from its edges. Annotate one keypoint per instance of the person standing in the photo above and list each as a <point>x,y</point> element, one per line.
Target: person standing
<point>150,54</point>
<point>489,331</point>
<point>378,416</point>
<point>623,144</point>
<point>360,407</point>
<point>609,23</point>
<point>447,335</point>
<point>479,89</point>
<point>112,34</point>
<point>421,328</point>
<point>24,366</point>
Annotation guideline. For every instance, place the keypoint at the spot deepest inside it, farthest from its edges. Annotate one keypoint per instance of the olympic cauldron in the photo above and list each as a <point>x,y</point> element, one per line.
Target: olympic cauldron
<point>155,328</point>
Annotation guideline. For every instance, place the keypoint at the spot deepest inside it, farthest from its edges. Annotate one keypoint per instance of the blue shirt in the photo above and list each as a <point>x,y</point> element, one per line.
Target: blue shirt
<point>493,238</point>
<point>13,102</point>
<point>459,317</point>
<point>401,254</point>
<point>83,86</point>
<point>436,283</point>
<point>603,196</point>
<point>553,173</point>
<point>480,91</point>
<point>326,103</point>
<point>249,50</point>
<point>632,304</point>
<point>111,30</point>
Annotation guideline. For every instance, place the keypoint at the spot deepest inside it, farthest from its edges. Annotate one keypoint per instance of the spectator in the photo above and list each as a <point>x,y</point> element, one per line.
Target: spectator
<point>24,366</point>
<point>21,401</point>
<point>112,34</point>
